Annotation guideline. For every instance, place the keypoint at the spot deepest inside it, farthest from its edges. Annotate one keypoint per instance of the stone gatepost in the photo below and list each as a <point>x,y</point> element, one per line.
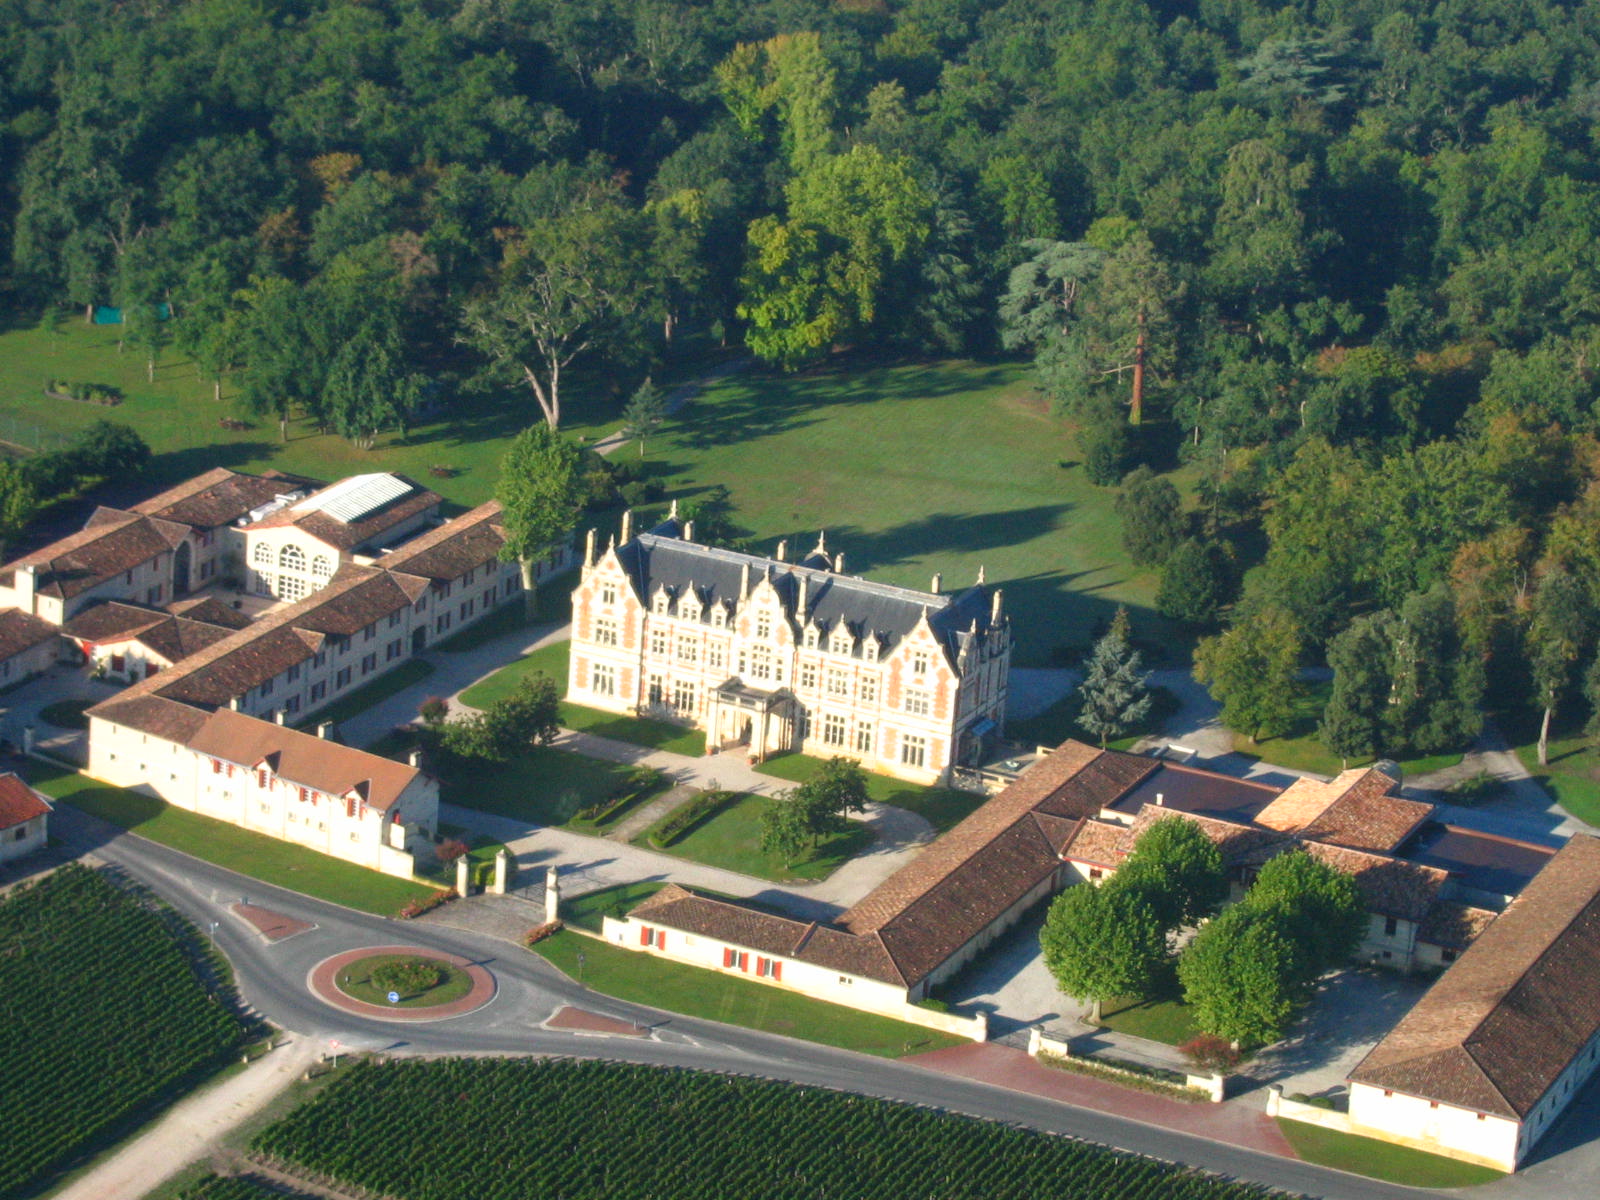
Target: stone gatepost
<point>464,876</point>
<point>502,871</point>
<point>552,896</point>
<point>27,739</point>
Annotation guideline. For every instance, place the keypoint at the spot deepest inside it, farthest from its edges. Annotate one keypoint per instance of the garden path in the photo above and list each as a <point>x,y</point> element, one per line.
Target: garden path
<point>636,823</point>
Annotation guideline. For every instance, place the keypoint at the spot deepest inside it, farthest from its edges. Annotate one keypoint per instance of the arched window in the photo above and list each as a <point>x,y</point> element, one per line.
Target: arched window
<point>261,555</point>
<point>322,566</point>
<point>292,558</point>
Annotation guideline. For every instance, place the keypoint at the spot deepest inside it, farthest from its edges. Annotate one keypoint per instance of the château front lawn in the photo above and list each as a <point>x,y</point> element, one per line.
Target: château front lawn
<point>940,807</point>
<point>1161,1020</point>
<point>732,840</point>
<point>1300,749</point>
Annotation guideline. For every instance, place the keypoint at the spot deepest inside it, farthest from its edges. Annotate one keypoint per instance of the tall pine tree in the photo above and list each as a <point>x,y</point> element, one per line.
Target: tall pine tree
<point>1115,693</point>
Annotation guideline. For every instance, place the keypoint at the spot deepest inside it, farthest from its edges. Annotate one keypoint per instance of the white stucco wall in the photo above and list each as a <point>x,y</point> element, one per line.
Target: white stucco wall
<point>17,840</point>
<point>1434,1127</point>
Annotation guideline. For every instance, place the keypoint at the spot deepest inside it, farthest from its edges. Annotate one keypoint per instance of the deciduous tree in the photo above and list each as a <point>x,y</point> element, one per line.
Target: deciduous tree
<point>1102,942</point>
<point>1252,670</point>
<point>1241,975</point>
<point>1179,871</point>
<point>541,492</point>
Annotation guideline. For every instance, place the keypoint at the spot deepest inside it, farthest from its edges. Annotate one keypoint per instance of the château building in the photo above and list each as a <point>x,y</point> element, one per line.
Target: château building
<point>778,655</point>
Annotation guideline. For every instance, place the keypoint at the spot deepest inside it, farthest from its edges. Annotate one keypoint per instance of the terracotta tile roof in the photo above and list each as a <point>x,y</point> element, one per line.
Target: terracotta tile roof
<point>1454,926</point>
<point>155,715</point>
<point>1365,816</point>
<point>690,912</point>
<point>113,621</point>
<point>210,610</point>
<point>220,496</point>
<point>19,802</point>
<point>1499,1027</point>
<point>302,759</point>
<point>1301,803</point>
<point>454,548</point>
<point>177,638</point>
<point>1390,886</point>
<point>111,543</point>
<point>347,535</point>
<point>21,631</point>
<point>1240,844</point>
<point>1099,843</point>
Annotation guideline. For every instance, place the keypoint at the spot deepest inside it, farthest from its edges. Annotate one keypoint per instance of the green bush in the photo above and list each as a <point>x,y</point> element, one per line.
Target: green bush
<point>692,815</point>
<point>409,976</point>
<point>636,783</point>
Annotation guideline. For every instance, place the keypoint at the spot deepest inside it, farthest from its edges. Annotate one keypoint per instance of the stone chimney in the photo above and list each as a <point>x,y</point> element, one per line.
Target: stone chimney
<point>280,717</point>
<point>588,548</point>
<point>672,513</point>
<point>26,586</point>
<point>782,553</point>
<point>627,525</point>
<point>325,730</point>
<point>997,608</point>
<point>938,583</point>
<point>980,574</point>
<point>1161,800</point>
<point>744,580</point>
<point>415,757</point>
<point>803,600</point>
<point>688,531</point>
<point>838,563</point>
<point>233,703</point>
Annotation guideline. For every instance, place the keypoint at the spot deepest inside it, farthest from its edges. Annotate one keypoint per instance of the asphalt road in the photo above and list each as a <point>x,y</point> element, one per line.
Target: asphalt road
<point>272,979</point>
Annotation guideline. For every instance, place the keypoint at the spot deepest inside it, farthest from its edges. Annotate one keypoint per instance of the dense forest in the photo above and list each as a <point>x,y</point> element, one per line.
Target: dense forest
<point>1335,255</point>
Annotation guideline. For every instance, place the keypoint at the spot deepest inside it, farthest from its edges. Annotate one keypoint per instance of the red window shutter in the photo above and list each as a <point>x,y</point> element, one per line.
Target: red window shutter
<point>727,956</point>
<point>644,935</point>
<point>777,969</point>
<point>661,939</point>
<point>216,766</point>
<point>761,965</point>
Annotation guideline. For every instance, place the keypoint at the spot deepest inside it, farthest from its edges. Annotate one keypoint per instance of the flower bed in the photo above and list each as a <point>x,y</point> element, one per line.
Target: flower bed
<point>693,814</point>
<point>415,908</point>
<point>87,393</point>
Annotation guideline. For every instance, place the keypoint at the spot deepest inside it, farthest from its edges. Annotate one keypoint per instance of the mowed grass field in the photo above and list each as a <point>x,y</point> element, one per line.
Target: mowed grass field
<point>912,468</point>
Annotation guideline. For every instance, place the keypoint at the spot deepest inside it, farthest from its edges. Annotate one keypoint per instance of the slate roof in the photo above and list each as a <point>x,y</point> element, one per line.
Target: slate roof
<point>348,535</point>
<point>19,802</point>
<point>1498,1028</point>
<point>454,548</point>
<point>655,560</point>
<point>112,542</point>
<point>302,759</point>
<point>21,631</point>
<point>221,497</point>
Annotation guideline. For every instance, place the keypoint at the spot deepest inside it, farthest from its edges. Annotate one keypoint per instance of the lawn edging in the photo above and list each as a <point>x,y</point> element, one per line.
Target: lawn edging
<point>1315,1139</point>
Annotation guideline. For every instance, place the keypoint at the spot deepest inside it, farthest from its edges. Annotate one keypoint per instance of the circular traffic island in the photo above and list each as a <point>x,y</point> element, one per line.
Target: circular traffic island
<point>401,983</point>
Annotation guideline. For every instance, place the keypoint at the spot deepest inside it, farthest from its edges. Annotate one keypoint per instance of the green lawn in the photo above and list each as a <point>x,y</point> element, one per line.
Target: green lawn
<point>967,468</point>
<point>942,807</point>
<point>178,417</point>
<point>588,911</point>
<point>551,660</point>
<point>541,787</point>
<point>715,996</point>
<point>252,854</point>
<point>1301,750</point>
<point>1382,1160</point>
<point>1573,773</point>
<point>1169,1021</point>
<point>410,672</point>
<point>732,840</point>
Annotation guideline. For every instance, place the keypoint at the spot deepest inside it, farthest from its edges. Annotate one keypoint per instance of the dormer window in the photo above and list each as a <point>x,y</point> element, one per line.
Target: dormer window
<point>719,616</point>
<point>869,649</point>
<point>811,637</point>
<point>839,643</point>
<point>608,593</point>
<point>689,610</point>
<point>663,601</point>
<point>764,626</point>
<point>921,662</point>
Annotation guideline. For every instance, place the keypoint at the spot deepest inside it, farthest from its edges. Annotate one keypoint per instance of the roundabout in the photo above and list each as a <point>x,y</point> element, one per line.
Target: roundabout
<point>401,983</point>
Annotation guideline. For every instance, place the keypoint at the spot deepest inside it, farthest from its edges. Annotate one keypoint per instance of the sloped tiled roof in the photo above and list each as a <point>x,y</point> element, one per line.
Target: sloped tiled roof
<point>1097,842</point>
<point>112,542</point>
<point>19,802</point>
<point>21,631</point>
<point>210,610</point>
<point>1454,926</point>
<point>348,535</point>
<point>177,638</point>
<point>113,621</point>
<point>159,717</point>
<point>1499,1027</point>
<point>302,759</point>
<point>1391,886</point>
<point>220,496</point>
<point>453,549</point>
<point>1239,844</point>
<point>1299,804</point>
<point>1364,816</point>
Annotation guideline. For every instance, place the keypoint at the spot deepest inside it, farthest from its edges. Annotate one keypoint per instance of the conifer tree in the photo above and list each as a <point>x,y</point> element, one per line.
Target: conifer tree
<point>1115,693</point>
